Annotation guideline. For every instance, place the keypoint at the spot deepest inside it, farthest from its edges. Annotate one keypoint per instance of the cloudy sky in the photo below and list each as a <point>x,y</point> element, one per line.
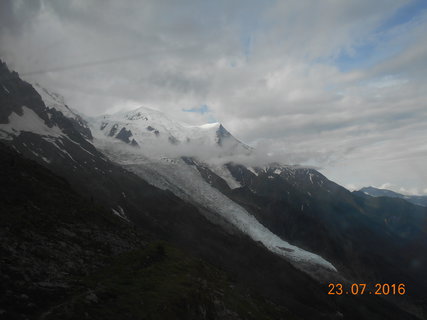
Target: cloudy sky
<point>340,85</point>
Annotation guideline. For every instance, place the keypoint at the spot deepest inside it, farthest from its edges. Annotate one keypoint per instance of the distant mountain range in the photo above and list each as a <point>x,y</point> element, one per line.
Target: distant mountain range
<point>273,231</point>
<point>375,192</point>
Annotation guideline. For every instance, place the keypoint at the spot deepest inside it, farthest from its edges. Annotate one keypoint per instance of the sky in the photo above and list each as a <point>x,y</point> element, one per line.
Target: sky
<point>339,85</point>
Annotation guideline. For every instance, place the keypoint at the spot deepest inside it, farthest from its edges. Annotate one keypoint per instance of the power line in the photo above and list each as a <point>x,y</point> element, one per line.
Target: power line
<point>83,65</point>
<point>75,66</point>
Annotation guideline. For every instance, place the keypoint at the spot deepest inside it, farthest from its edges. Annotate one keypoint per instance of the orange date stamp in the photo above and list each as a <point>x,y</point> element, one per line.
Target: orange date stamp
<point>398,289</point>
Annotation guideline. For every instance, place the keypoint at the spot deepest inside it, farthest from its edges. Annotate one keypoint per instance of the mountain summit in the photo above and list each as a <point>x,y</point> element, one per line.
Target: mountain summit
<point>155,132</point>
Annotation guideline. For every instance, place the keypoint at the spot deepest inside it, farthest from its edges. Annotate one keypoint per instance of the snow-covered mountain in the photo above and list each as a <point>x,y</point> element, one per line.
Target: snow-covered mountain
<point>56,102</point>
<point>49,132</point>
<point>156,134</point>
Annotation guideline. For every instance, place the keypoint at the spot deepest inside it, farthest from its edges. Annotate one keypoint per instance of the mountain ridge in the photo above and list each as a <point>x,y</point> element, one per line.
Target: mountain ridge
<point>378,192</point>
<point>286,200</point>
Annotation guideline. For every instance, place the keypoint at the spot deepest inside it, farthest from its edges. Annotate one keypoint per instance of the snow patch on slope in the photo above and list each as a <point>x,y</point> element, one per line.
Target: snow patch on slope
<point>252,170</point>
<point>29,122</point>
<point>54,100</point>
<point>120,213</point>
<point>223,172</point>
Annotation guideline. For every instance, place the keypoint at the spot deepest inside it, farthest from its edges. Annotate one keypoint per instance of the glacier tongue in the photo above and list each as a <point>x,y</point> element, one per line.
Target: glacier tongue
<point>186,182</point>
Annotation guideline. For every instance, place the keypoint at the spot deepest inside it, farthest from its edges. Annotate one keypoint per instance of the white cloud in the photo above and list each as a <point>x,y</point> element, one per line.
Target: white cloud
<point>387,185</point>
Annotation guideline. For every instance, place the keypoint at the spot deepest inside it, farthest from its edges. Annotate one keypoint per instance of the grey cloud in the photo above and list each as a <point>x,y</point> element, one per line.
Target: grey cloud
<point>279,90</point>
<point>15,15</point>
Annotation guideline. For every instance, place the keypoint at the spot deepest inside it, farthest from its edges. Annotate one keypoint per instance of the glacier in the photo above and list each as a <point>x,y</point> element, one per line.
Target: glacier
<point>185,181</point>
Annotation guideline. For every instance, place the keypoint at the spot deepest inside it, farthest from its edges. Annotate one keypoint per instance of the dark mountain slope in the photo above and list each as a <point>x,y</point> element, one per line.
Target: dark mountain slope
<point>161,282</point>
<point>49,234</point>
<point>62,257</point>
<point>399,216</point>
